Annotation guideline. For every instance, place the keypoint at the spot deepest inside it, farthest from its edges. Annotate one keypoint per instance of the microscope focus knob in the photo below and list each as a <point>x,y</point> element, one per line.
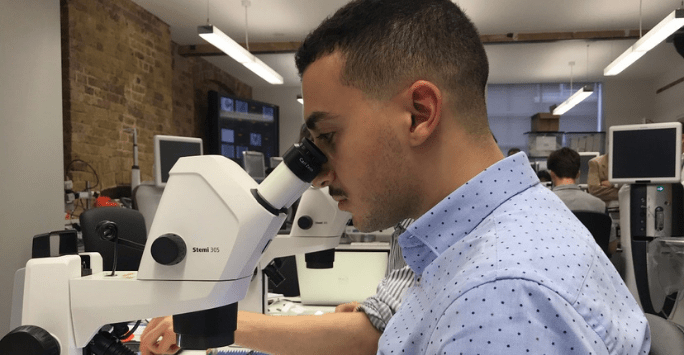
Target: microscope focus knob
<point>305,222</point>
<point>29,340</point>
<point>169,249</point>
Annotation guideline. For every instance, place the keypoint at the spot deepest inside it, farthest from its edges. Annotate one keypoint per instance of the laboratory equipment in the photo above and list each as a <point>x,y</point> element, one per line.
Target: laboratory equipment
<point>212,226</point>
<point>167,151</point>
<point>584,166</point>
<point>647,158</point>
<point>235,125</point>
<point>135,169</point>
<point>254,164</point>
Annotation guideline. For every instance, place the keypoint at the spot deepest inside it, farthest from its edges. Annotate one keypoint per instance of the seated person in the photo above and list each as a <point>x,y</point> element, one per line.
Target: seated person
<point>564,168</point>
<point>512,151</point>
<point>544,176</point>
<point>597,181</point>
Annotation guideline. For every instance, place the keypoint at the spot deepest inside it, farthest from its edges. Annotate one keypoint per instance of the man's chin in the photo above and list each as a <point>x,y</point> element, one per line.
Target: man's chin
<point>366,226</point>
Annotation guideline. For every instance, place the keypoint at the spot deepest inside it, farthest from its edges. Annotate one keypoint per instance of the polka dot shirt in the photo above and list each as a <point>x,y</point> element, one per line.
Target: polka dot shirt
<point>505,268</point>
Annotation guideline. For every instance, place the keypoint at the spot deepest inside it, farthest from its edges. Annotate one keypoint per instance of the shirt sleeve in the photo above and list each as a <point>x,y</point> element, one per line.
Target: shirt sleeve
<point>594,186</point>
<point>517,317</point>
<point>384,304</point>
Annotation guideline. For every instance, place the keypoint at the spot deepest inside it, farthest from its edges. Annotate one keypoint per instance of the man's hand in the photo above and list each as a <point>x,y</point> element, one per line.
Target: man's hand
<point>158,337</point>
<point>347,307</point>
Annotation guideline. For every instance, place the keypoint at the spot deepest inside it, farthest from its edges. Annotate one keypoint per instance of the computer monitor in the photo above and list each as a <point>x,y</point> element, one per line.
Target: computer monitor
<point>584,165</point>
<point>645,153</point>
<point>167,150</point>
<point>236,125</point>
<point>254,165</point>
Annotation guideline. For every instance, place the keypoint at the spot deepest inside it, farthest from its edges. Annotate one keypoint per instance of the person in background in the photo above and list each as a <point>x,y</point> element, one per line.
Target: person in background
<point>544,176</point>
<point>597,181</point>
<point>513,151</point>
<point>564,168</point>
<point>394,95</point>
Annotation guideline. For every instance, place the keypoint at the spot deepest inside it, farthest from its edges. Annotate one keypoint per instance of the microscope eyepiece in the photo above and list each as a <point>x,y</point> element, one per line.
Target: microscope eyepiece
<point>288,181</point>
<point>305,160</point>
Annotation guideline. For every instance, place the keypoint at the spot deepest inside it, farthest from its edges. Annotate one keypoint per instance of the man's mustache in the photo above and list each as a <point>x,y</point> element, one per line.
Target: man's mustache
<point>336,192</point>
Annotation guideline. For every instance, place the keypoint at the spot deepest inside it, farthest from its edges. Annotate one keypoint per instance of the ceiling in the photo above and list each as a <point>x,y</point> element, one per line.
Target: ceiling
<point>292,20</point>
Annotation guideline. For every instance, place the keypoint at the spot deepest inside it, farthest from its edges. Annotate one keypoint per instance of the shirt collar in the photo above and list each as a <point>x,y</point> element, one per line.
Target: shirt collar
<point>459,213</point>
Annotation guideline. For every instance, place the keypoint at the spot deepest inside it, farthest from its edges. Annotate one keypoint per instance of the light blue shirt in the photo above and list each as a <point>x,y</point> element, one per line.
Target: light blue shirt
<point>505,268</point>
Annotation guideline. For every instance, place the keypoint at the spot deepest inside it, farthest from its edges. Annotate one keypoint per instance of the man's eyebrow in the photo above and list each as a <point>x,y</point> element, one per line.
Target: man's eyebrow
<point>316,117</point>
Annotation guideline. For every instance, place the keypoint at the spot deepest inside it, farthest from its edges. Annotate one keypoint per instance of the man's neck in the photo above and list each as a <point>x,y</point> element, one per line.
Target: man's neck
<point>564,181</point>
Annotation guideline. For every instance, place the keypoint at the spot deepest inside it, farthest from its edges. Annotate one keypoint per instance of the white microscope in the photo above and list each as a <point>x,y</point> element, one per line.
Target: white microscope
<point>213,225</point>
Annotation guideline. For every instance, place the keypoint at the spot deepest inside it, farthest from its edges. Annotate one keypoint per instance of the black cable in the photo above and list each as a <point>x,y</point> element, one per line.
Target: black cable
<point>66,170</point>
<point>135,327</point>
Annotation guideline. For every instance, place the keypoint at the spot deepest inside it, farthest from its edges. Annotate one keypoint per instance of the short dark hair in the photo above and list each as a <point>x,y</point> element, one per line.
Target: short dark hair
<point>513,151</point>
<point>544,175</point>
<point>389,43</point>
<point>564,162</point>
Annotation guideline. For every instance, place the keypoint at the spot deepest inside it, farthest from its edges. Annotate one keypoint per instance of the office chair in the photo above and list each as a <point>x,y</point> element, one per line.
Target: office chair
<point>131,226</point>
<point>146,197</point>
<point>599,225</point>
<point>667,338</point>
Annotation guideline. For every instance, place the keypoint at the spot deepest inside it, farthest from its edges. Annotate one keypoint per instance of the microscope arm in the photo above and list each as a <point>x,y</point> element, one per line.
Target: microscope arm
<point>318,225</point>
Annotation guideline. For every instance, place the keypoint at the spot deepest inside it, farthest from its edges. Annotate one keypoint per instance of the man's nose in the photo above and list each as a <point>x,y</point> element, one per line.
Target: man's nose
<point>324,178</point>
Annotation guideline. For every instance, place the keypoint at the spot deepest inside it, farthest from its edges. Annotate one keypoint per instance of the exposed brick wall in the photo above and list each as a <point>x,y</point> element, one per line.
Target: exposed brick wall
<point>120,71</point>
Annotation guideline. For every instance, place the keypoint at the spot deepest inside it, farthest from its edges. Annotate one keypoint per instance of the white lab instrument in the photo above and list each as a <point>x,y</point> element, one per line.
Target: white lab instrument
<point>647,158</point>
<point>212,226</point>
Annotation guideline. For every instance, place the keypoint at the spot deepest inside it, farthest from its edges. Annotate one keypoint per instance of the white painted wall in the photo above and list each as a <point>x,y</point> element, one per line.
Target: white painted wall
<point>627,102</point>
<point>291,111</point>
<point>31,144</point>
<point>669,104</point>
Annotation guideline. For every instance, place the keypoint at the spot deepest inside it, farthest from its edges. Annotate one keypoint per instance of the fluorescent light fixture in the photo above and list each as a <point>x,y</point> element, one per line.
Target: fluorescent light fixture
<point>233,49</point>
<point>669,25</point>
<point>666,27</point>
<point>622,62</point>
<point>573,100</point>
<point>300,99</point>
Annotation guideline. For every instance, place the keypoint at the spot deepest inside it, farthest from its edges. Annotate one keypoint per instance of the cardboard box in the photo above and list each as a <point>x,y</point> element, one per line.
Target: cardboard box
<point>545,122</point>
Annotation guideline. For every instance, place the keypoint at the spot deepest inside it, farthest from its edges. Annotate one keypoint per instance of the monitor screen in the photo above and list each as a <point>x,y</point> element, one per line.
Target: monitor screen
<point>645,153</point>
<point>236,125</point>
<point>254,165</point>
<point>584,165</point>
<point>167,150</point>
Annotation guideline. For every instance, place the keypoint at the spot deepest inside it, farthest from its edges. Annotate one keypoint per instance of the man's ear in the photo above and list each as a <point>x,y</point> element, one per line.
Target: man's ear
<point>426,113</point>
<point>553,175</point>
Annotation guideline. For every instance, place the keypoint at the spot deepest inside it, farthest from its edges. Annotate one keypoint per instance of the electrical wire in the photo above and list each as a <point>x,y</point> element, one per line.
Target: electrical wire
<point>640,18</point>
<point>66,170</point>
<point>128,333</point>
<point>246,4</point>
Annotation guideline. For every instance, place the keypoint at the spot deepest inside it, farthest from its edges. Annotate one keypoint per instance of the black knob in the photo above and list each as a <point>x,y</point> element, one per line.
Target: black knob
<point>169,249</point>
<point>29,340</point>
<point>305,222</point>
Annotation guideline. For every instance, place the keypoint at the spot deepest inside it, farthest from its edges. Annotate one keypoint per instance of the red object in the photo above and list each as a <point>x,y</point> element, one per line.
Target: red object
<point>104,201</point>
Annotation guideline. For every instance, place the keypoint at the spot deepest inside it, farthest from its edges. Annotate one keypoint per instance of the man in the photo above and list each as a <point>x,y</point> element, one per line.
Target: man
<point>597,180</point>
<point>394,96</point>
<point>564,168</point>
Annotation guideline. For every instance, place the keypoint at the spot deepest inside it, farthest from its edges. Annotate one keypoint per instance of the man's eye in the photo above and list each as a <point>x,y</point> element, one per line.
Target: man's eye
<point>326,136</point>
